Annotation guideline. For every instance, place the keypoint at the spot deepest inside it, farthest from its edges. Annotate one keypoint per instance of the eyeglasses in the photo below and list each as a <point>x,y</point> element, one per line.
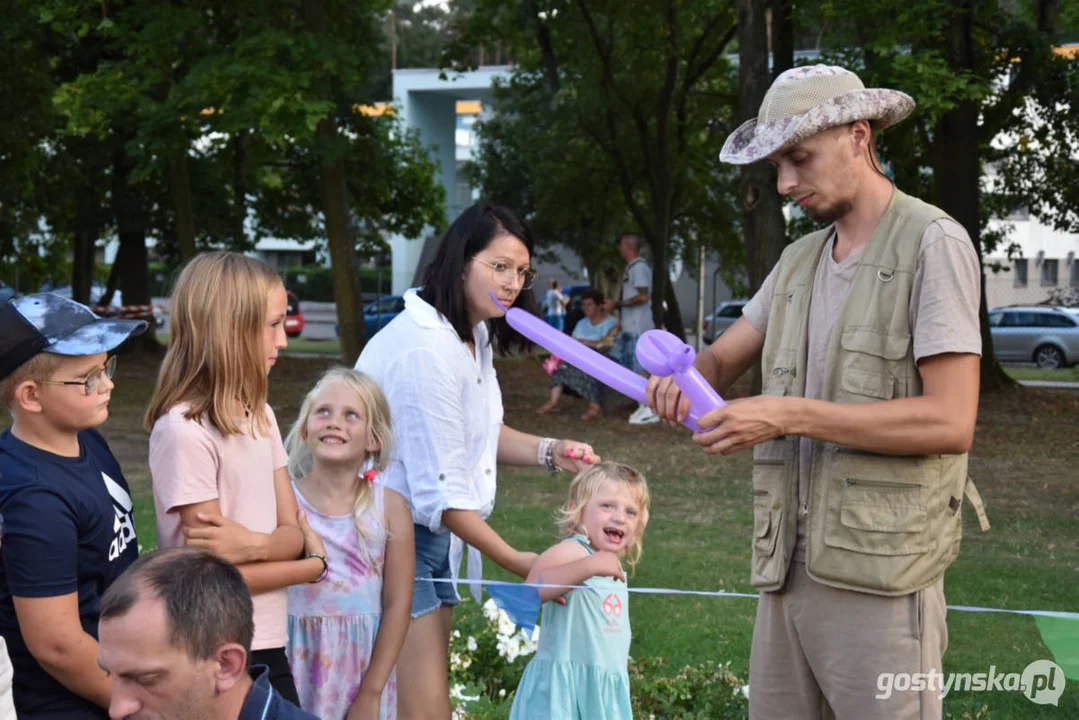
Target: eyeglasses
<point>504,273</point>
<point>92,380</point>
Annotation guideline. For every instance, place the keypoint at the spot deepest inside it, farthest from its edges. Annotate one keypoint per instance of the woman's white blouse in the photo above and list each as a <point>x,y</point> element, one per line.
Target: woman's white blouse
<point>446,409</point>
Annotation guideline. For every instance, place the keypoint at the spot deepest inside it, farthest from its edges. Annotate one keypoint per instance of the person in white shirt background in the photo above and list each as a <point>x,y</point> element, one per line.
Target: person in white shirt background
<point>555,306</point>
<point>434,362</point>
<point>636,314</point>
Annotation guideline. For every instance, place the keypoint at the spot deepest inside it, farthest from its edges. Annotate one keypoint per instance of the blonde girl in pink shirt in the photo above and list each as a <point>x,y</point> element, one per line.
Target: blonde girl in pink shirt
<point>217,463</point>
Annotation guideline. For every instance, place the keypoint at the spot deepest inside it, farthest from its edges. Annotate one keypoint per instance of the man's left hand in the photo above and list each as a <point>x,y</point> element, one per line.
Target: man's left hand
<point>741,424</point>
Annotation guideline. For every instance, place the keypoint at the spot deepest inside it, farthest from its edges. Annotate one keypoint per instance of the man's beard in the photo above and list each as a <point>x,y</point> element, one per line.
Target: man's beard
<point>828,215</point>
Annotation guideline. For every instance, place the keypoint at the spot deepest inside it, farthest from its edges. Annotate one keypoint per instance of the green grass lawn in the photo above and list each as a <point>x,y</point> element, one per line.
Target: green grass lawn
<point>1025,462</point>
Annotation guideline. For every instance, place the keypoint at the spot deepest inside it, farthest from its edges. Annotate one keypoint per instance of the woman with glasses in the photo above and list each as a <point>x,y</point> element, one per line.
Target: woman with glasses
<point>434,362</point>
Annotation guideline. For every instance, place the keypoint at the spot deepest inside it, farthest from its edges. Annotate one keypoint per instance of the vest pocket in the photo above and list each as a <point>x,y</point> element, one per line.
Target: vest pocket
<point>772,474</point>
<point>872,510</point>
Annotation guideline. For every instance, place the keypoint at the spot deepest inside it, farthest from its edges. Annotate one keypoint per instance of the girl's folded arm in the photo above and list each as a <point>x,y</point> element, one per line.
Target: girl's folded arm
<point>567,563</point>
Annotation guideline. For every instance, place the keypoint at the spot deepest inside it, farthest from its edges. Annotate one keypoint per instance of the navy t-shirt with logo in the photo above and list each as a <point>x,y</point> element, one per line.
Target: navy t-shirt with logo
<point>69,527</point>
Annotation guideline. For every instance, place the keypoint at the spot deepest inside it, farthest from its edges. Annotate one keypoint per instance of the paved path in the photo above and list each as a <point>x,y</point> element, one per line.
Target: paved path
<point>1050,384</point>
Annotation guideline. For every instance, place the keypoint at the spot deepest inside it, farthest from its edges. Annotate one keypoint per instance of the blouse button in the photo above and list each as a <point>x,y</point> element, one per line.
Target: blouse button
<point>479,381</point>
<point>487,471</point>
<point>441,477</point>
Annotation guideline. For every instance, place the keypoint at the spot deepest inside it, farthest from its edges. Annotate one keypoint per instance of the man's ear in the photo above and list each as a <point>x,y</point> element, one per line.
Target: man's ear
<point>231,659</point>
<point>861,133</point>
<point>28,396</point>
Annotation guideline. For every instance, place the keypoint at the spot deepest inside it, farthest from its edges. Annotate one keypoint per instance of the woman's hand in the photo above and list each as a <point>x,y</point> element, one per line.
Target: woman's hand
<point>521,563</point>
<point>574,456</point>
<point>312,541</point>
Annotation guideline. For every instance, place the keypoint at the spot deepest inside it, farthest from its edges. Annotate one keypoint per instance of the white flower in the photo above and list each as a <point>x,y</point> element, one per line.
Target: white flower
<point>509,647</point>
<point>455,661</point>
<point>502,693</point>
<point>490,610</point>
<point>745,691</point>
<point>457,692</point>
<point>471,644</point>
<point>457,633</point>
<point>506,626</point>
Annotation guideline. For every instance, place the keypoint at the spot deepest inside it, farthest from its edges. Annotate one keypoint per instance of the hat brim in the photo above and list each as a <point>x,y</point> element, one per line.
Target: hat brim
<point>753,141</point>
<point>100,336</point>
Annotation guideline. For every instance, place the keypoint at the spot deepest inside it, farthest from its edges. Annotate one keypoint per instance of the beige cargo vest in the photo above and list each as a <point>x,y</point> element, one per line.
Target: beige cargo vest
<point>883,524</point>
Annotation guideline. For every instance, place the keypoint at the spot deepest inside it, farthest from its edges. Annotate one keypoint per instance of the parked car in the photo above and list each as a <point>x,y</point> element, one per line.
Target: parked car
<point>724,316</point>
<point>378,314</point>
<point>294,321</point>
<point>6,293</point>
<point>1046,336</point>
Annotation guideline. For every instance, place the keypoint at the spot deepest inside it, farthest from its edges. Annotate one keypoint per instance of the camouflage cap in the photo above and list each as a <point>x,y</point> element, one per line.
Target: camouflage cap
<point>51,323</point>
<point>802,102</point>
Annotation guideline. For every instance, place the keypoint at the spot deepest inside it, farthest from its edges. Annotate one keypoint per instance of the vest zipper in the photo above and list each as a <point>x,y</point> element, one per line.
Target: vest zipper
<point>851,482</point>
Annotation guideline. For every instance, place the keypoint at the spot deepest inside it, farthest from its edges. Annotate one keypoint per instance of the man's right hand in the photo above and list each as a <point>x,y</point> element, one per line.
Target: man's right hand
<point>666,400</point>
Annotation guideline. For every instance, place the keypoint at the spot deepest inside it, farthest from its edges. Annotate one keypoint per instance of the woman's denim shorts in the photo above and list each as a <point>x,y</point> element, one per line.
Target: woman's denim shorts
<point>432,561</point>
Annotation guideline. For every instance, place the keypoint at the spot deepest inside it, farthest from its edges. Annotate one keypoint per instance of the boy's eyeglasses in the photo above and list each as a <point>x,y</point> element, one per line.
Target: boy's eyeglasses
<point>92,380</point>
<point>505,273</point>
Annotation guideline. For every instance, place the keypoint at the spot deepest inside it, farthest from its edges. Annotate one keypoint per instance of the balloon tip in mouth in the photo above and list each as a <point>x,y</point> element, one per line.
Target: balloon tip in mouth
<point>497,301</point>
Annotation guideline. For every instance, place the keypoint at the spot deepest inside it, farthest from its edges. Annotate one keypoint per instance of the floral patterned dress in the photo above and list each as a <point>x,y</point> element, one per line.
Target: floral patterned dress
<point>333,624</point>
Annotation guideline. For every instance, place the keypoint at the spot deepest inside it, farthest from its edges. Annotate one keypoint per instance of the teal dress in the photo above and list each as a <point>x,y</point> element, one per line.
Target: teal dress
<point>581,666</point>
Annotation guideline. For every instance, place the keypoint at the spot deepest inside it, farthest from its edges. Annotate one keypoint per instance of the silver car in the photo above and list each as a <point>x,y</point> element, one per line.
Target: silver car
<point>1046,336</point>
<point>724,316</point>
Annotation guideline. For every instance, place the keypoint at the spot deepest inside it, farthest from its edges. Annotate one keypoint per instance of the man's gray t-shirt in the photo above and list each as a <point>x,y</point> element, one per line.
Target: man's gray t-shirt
<point>638,318</point>
<point>944,305</point>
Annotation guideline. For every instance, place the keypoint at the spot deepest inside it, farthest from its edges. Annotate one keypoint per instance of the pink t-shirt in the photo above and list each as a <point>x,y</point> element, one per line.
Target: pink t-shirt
<point>191,462</point>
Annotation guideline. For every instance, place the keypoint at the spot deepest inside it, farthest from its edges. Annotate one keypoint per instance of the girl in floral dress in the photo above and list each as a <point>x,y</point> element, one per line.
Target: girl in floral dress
<point>345,631</point>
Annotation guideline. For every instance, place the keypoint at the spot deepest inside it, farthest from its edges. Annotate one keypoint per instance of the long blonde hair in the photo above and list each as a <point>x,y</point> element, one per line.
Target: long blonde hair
<point>379,434</point>
<point>585,486</point>
<point>215,357</point>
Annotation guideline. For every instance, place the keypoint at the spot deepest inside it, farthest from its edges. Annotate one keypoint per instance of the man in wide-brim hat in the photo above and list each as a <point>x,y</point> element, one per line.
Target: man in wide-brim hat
<point>869,341</point>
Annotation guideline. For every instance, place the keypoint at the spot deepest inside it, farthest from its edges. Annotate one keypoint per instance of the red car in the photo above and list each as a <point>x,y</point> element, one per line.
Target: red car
<point>293,317</point>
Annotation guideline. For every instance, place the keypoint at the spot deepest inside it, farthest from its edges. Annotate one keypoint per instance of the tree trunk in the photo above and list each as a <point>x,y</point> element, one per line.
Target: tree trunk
<point>239,187</point>
<point>82,271</point>
<point>180,183</point>
<point>957,173</point>
<point>763,226</point>
<point>342,255</point>
<point>335,211</point>
<point>782,36</point>
<point>131,270</point>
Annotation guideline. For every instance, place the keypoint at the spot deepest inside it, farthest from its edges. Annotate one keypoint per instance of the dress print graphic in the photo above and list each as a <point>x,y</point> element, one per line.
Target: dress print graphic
<point>123,525</point>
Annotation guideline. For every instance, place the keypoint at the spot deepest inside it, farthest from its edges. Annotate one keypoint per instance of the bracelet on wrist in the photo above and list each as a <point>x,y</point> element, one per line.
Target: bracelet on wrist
<point>325,566</point>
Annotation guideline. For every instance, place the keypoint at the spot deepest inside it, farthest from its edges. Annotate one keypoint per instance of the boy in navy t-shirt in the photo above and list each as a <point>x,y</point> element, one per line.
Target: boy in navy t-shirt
<point>68,518</point>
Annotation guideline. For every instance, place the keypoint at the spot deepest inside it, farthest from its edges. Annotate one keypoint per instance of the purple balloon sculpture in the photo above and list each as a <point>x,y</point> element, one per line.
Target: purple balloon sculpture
<point>663,355</point>
<point>612,374</point>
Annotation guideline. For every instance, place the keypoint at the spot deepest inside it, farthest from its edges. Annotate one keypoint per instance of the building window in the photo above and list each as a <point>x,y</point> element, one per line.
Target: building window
<point>1049,272</point>
<point>1020,272</point>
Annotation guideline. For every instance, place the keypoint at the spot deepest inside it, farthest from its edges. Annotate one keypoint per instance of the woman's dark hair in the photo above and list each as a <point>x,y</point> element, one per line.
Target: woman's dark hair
<point>443,283</point>
<point>594,295</point>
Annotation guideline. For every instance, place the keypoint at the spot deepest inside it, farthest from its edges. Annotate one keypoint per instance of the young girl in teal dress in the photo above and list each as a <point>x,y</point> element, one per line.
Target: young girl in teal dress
<point>580,670</point>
